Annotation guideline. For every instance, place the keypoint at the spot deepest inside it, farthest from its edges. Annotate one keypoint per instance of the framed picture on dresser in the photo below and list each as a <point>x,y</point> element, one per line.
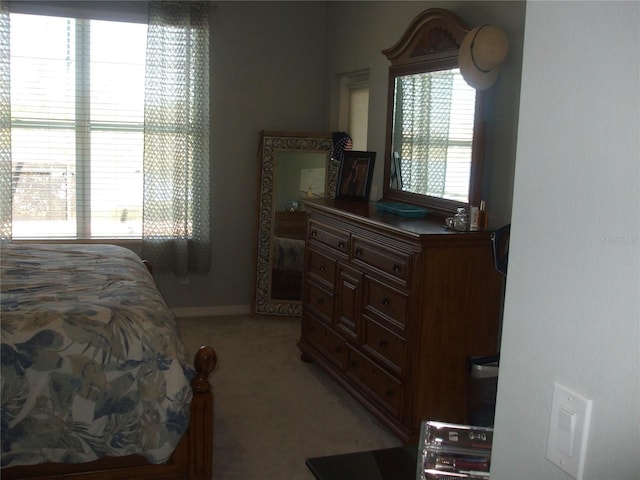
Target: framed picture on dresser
<point>356,172</point>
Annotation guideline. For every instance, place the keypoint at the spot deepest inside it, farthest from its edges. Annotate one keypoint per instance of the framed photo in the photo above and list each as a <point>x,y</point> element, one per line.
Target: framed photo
<point>356,172</point>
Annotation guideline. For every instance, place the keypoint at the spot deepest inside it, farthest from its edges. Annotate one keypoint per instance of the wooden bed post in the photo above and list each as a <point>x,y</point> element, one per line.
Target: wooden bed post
<point>201,420</point>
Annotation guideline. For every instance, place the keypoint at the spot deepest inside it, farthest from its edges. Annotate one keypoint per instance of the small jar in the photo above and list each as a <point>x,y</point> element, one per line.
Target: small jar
<point>461,220</point>
<point>292,206</point>
<point>449,222</point>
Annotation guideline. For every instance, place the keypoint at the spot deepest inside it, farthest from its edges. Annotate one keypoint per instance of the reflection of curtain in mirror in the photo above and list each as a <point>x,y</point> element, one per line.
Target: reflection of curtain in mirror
<point>5,125</point>
<point>423,110</point>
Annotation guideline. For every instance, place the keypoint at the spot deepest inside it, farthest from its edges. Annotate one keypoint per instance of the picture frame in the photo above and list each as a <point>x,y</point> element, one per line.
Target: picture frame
<point>355,175</point>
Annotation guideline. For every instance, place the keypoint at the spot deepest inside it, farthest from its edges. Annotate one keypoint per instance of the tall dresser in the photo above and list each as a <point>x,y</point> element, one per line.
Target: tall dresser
<point>393,307</point>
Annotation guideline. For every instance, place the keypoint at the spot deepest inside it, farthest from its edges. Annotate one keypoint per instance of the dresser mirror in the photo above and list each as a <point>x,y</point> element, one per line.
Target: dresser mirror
<point>435,139</point>
<point>292,166</point>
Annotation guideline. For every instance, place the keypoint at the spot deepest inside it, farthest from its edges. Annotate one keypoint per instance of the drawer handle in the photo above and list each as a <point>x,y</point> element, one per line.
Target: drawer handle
<point>314,233</point>
<point>358,252</point>
<point>383,343</point>
<point>396,268</point>
<point>386,302</point>
<point>340,245</point>
<point>321,268</point>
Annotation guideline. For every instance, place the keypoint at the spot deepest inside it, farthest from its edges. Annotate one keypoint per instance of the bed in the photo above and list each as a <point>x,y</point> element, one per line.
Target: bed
<point>288,265</point>
<point>95,381</point>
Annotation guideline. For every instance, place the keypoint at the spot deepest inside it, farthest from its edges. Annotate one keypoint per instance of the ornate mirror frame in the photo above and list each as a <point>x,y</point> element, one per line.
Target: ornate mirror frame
<point>431,43</point>
<point>271,143</point>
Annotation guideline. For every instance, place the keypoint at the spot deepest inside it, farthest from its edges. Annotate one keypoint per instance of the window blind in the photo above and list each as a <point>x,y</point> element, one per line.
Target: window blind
<point>358,116</point>
<point>353,108</point>
<point>77,113</point>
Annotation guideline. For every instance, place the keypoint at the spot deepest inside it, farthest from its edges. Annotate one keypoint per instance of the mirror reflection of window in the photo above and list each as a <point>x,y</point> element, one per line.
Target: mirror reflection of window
<point>433,133</point>
<point>354,107</point>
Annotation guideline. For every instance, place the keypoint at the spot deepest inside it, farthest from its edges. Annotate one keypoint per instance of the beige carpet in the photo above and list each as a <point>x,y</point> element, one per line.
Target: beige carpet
<point>273,410</point>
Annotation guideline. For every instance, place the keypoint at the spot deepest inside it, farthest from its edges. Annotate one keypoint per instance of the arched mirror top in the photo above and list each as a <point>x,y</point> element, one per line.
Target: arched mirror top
<point>434,33</point>
<point>427,161</point>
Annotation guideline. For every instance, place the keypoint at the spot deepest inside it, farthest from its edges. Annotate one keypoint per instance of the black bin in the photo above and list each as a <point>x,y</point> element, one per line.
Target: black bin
<point>482,389</point>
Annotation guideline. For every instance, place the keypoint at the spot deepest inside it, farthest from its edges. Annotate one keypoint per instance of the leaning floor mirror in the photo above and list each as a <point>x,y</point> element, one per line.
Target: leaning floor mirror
<point>292,166</point>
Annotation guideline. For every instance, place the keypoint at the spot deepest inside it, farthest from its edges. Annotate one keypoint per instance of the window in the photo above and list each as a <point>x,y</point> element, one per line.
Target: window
<point>354,107</point>
<point>77,116</point>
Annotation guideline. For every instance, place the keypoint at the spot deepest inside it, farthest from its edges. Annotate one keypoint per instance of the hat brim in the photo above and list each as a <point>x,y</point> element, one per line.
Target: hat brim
<point>473,76</point>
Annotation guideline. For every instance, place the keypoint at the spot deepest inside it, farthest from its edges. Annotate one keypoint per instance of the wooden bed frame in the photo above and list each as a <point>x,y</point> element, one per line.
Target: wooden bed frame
<point>192,459</point>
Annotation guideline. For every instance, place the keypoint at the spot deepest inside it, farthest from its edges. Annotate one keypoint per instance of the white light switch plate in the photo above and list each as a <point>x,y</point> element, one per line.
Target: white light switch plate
<point>568,430</point>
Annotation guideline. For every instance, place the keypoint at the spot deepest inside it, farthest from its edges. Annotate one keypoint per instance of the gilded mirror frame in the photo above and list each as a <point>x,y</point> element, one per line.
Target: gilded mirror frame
<point>431,43</point>
<point>271,143</point>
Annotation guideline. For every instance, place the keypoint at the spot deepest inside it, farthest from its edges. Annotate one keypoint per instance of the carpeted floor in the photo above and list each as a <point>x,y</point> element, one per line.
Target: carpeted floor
<point>272,411</point>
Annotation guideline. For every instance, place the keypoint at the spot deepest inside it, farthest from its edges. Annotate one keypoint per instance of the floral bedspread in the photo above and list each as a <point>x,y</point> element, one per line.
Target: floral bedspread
<point>91,361</point>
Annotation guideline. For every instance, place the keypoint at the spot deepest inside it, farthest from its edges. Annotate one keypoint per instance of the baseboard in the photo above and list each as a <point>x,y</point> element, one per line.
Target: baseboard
<point>190,312</point>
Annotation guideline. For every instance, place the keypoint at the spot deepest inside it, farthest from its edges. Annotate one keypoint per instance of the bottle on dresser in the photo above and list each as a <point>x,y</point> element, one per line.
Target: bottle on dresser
<point>461,220</point>
<point>483,216</point>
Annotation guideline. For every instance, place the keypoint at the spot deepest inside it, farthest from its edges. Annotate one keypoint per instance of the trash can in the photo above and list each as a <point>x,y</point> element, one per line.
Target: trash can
<point>483,386</point>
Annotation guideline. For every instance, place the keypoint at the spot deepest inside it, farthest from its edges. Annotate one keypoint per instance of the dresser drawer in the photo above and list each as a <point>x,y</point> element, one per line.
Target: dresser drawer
<point>333,238</point>
<point>396,264</point>
<point>321,266</point>
<point>290,225</point>
<point>321,301</point>
<point>384,345</point>
<point>325,340</point>
<point>384,387</point>
<point>386,302</point>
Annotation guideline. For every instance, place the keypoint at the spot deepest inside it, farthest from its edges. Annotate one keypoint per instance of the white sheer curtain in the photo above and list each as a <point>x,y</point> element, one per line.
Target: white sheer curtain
<point>176,226</point>
<point>5,125</point>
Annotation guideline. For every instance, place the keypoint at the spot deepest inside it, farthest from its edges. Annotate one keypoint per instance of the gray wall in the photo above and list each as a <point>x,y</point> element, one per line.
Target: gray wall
<point>267,74</point>
<point>572,310</point>
<point>275,66</point>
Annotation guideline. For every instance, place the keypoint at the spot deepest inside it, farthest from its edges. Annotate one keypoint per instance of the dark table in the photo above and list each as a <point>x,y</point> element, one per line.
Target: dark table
<point>397,463</point>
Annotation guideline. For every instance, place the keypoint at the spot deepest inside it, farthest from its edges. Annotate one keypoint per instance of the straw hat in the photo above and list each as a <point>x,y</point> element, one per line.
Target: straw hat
<point>482,52</point>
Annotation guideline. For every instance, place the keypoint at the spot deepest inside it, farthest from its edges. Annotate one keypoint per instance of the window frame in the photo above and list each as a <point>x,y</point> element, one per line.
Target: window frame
<point>81,125</point>
<point>348,84</point>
